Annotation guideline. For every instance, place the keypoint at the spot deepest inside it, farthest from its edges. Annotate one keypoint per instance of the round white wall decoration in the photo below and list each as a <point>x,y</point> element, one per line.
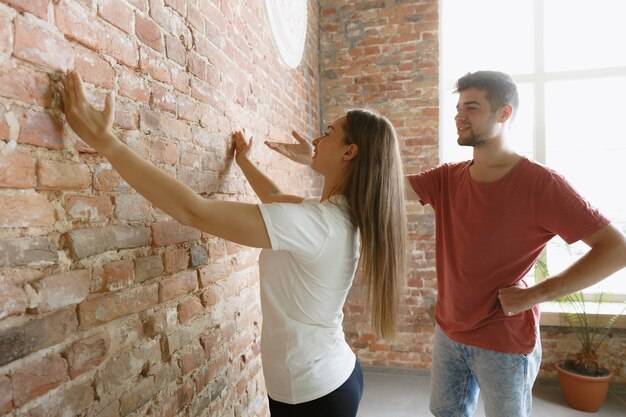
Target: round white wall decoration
<point>288,22</point>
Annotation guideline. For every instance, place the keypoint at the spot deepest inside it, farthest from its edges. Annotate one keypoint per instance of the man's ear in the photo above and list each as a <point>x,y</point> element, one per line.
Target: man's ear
<point>506,112</point>
<point>351,152</point>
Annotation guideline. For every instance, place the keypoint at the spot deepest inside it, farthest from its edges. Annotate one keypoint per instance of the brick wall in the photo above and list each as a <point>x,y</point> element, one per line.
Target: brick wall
<point>385,55</point>
<point>107,306</point>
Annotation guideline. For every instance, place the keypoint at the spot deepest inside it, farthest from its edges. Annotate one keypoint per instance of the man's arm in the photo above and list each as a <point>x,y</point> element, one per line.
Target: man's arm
<point>606,256</point>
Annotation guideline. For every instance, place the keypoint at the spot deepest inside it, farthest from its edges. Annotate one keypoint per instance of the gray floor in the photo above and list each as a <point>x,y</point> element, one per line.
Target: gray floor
<point>398,393</point>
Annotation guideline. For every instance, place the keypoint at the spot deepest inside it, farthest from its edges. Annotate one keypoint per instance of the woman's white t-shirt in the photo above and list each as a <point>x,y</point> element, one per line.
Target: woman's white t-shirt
<point>305,279</point>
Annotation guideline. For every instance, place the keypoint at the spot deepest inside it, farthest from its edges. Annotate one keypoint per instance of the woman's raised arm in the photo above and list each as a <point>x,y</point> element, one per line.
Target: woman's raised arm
<point>238,222</point>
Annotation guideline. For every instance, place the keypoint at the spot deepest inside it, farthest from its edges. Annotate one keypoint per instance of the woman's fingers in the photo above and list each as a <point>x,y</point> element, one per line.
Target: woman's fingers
<point>298,137</point>
<point>109,108</point>
<point>79,90</point>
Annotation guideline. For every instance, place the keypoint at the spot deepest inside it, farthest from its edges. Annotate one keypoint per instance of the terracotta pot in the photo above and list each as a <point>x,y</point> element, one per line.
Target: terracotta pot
<point>584,393</point>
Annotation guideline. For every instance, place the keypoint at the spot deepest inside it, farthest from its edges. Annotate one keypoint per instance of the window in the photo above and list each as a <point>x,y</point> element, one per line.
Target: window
<point>568,59</point>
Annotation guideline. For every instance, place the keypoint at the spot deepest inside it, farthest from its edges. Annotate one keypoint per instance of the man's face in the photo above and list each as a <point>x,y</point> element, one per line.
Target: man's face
<point>475,121</point>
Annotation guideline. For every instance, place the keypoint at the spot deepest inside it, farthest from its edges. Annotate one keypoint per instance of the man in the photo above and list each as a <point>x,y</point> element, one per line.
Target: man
<point>494,215</point>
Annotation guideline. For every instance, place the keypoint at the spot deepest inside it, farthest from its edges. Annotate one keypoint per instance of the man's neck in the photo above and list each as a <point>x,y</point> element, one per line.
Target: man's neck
<point>493,159</point>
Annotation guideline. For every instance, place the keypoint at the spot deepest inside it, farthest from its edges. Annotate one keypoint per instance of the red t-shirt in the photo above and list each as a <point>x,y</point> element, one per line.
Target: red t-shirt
<point>488,236</point>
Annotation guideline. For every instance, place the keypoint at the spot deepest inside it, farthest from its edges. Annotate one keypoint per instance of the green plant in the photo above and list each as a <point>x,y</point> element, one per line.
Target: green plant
<point>589,330</point>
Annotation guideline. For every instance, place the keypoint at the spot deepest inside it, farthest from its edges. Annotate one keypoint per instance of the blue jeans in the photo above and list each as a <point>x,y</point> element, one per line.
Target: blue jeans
<point>460,371</point>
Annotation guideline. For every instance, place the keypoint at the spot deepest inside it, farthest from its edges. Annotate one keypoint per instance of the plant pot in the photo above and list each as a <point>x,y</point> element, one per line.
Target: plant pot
<point>584,393</point>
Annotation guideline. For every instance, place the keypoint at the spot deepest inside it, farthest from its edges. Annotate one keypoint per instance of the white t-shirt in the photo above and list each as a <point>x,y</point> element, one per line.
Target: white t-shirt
<point>305,279</point>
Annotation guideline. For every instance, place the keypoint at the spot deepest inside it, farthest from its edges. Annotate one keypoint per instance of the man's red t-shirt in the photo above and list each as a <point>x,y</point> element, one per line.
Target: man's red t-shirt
<point>488,236</point>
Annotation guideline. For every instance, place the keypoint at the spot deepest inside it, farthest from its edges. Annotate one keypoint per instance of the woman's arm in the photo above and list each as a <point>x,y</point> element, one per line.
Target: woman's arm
<point>301,152</point>
<point>238,222</point>
<point>263,186</point>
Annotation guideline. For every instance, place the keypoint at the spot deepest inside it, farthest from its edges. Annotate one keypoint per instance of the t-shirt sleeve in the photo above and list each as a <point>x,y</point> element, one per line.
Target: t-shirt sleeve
<point>566,213</point>
<point>301,229</point>
<point>426,184</point>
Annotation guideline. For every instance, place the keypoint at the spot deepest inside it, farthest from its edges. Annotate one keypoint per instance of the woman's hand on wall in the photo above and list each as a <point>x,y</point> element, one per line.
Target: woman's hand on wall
<point>91,125</point>
<point>301,152</point>
<point>241,146</point>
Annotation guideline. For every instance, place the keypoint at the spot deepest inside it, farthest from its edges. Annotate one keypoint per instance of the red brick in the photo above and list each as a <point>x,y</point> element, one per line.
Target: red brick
<point>105,178</point>
<point>61,290</point>
<point>197,65</point>
<point>79,25</point>
<point>26,211</point>
<point>195,18</point>
<point>88,353</point>
<point>117,13</point>
<point>171,232</point>
<point>118,304</point>
<point>154,65</point>
<point>192,359</point>
<point>6,132</point>
<point>174,128</point>
<point>188,109</point>
<point>39,46</point>
<point>134,87</point>
<point>6,38</point>
<point>163,99</point>
<point>17,171</point>
<point>127,367</point>
<point>155,323</point>
<point>13,301</point>
<point>164,151</point>
<point>175,260</point>
<point>148,32</point>
<point>53,175</point>
<point>41,129</point>
<point>175,49</point>
<point>177,285</point>
<point>126,116</point>
<point>26,86</point>
<point>148,267</point>
<point>35,252</point>
<point>89,207</point>
<point>37,378</point>
<point>118,274</point>
<point>88,242</point>
<point>138,395</point>
<point>180,78</point>
<point>17,342</point>
<point>73,399</point>
<point>37,7</point>
<point>213,273</point>
<point>6,394</point>
<point>132,207</point>
<point>95,70</point>
<point>189,309</point>
<point>178,5</point>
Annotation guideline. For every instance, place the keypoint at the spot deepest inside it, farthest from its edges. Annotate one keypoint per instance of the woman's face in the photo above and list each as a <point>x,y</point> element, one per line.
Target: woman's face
<point>330,148</point>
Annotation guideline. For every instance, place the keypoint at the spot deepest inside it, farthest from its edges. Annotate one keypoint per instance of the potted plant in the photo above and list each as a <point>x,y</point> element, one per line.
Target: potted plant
<point>583,379</point>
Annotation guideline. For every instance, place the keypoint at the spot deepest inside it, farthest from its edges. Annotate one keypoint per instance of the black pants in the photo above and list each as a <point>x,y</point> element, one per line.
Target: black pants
<point>342,402</point>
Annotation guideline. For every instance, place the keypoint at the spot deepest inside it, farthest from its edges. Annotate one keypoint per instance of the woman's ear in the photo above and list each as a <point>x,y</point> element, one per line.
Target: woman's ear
<point>351,151</point>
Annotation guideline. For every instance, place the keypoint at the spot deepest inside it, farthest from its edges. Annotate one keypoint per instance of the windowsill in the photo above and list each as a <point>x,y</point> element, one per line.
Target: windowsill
<point>552,314</point>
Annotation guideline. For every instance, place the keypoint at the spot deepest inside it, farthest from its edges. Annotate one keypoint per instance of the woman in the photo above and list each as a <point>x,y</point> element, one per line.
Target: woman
<point>311,246</point>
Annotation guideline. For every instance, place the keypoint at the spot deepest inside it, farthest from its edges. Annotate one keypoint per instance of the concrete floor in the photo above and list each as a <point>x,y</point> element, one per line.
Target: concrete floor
<point>405,393</point>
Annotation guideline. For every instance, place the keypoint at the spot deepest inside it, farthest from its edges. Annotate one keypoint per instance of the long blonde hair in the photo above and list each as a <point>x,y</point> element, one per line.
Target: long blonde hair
<point>374,188</point>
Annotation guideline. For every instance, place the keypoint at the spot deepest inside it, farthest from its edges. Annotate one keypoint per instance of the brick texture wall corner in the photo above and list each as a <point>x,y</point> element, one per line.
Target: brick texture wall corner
<point>107,306</point>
